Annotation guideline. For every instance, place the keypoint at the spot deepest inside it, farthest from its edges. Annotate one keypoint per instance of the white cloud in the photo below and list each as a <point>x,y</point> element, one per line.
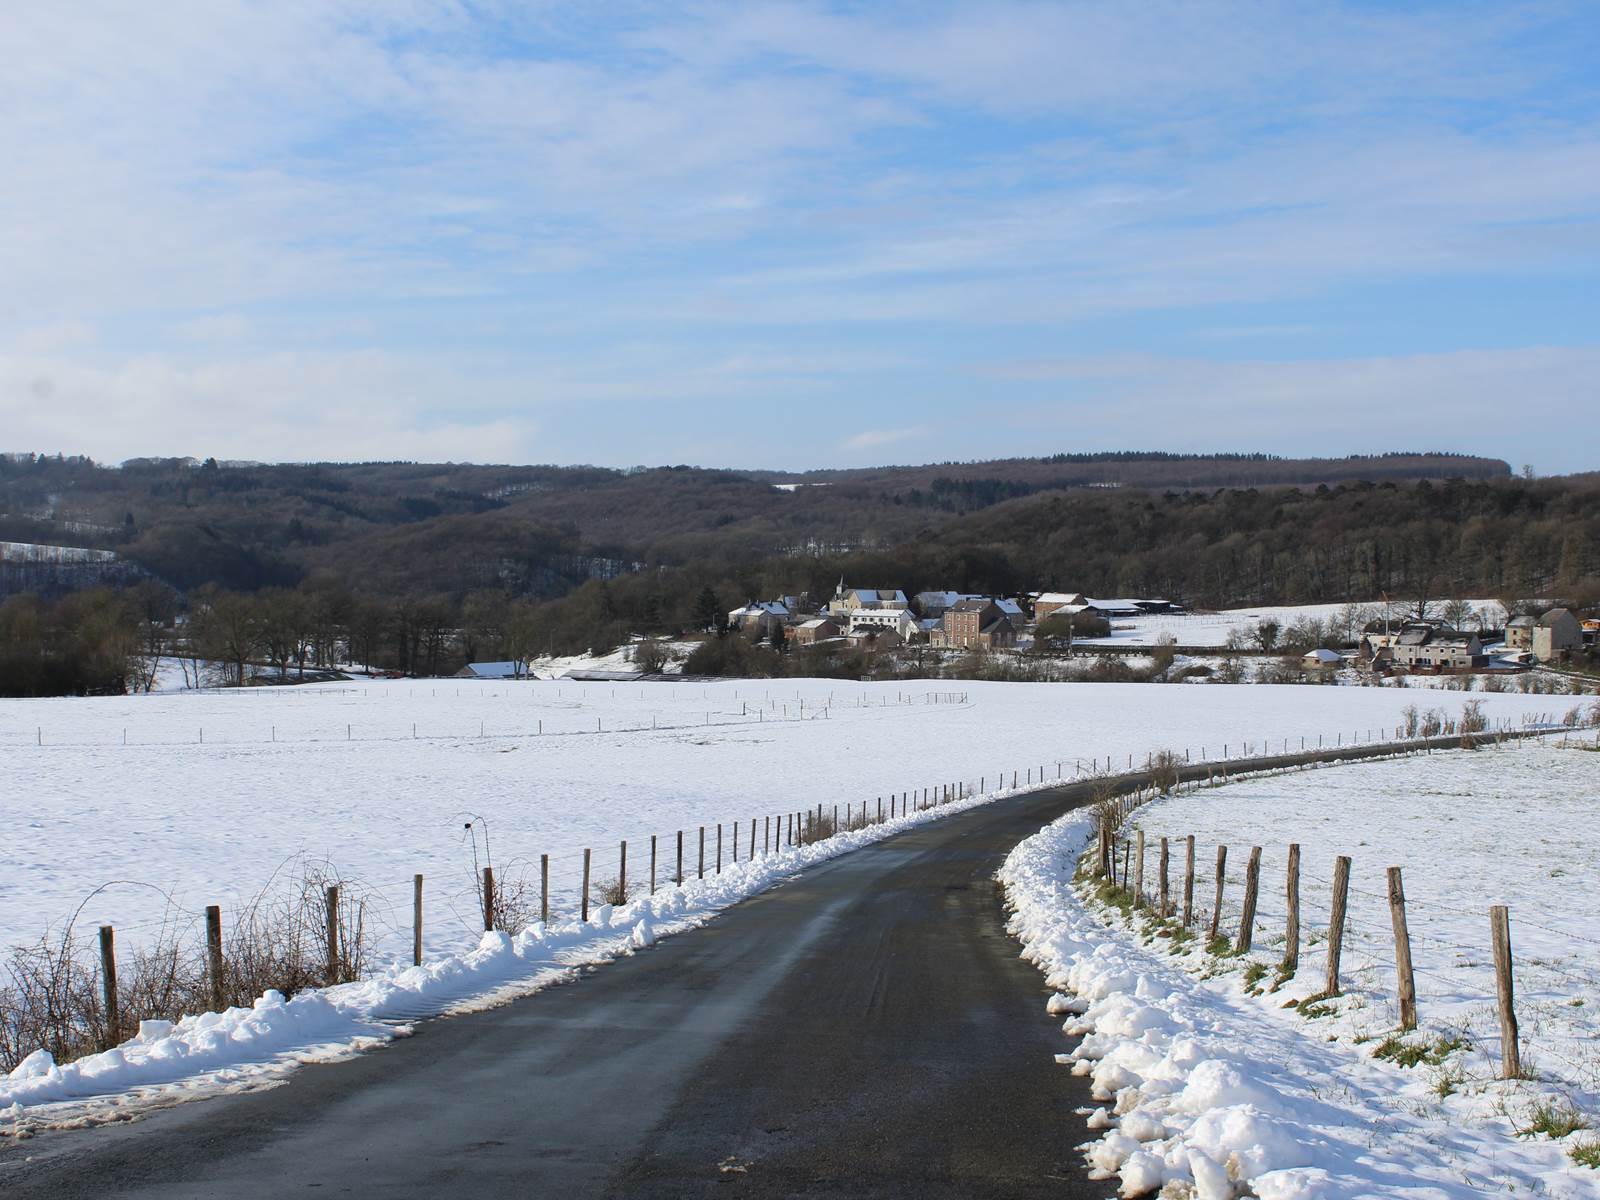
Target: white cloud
<point>872,439</point>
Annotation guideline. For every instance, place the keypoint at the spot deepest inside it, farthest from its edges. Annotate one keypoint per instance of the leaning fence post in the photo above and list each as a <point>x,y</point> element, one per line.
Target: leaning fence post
<point>214,955</point>
<point>1188,881</point>
<point>1510,1051</point>
<point>1216,907</point>
<point>1291,938</point>
<point>584,911</point>
<point>1165,899</point>
<point>333,933</point>
<point>1138,872</point>
<point>1341,900</point>
<point>416,920</point>
<point>108,983</point>
<point>1402,951</point>
<point>1252,888</point>
<point>488,899</point>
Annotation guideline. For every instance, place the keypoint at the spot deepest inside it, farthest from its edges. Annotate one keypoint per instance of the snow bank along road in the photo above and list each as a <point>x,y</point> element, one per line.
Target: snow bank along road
<point>867,1029</point>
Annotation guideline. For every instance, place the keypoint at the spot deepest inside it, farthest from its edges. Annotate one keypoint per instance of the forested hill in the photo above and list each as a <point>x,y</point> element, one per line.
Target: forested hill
<point>448,529</point>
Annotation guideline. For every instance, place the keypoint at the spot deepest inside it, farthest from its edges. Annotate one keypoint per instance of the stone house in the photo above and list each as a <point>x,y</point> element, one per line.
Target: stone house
<point>978,625</point>
<point>1555,635</point>
<point>818,629</point>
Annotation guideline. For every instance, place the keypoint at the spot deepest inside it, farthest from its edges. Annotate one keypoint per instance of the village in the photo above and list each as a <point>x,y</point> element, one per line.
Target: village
<point>1380,640</point>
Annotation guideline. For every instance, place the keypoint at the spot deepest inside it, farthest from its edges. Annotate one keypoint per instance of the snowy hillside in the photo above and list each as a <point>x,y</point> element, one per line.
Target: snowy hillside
<point>1214,628</point>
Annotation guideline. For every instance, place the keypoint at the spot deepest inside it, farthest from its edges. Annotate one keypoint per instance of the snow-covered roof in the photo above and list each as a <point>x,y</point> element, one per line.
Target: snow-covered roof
<point>817,623</point>
<point>1326,656</point>
<point>493,670</point>
<point>756,608</point>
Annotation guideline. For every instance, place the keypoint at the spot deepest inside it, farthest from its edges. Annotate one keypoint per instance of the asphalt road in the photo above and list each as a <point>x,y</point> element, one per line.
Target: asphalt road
<point>865,1030</point>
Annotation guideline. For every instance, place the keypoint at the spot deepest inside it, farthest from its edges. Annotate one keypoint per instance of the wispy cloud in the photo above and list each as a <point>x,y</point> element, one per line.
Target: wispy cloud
<point>873,439</point>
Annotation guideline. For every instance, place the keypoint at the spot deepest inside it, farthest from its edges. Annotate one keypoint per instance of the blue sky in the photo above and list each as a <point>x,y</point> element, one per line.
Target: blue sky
<point>796,235</point>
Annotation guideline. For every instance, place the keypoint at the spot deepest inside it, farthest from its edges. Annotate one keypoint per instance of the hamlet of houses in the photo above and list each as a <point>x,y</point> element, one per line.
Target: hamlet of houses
<point>883,618</point>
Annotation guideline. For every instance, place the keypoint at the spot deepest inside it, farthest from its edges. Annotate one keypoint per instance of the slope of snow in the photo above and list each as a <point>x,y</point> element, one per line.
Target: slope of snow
<point>1214,628</point>
<point>1208,1088</point>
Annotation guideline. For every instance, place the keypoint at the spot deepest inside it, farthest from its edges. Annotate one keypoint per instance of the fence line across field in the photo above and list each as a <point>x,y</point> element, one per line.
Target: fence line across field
<point>1121,862</point>
<point>783,831</point>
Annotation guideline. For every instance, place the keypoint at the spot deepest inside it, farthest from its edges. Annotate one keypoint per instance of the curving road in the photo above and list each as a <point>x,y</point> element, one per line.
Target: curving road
<point>865,1029</point>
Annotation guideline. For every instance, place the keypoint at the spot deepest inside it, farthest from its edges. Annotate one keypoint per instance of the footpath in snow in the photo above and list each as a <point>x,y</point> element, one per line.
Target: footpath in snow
<point>1219,1077</point>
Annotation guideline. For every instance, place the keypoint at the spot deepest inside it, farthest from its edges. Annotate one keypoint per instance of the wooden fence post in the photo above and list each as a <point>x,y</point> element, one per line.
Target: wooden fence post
<point>1291,940</point>
<point>1138,872</point>
<point>1402,951</point>
<point>702,852</point>
<point>1188,881</point>
<point>719,847</point>
<point>1510,1051</point>
<point>622,872</point>
<point>544,889</point>
<point>416,920</point>
<point>1341,901</point>
<point>332,933</point>
<point>1127,851</point>
<point>1216,907</point>
<point>652,864</point>
<point>488,899</point>
<point>214,955</point>
<point>108,984</point>
<point>680,858</point>
<point>1252,889</point>
<point>584,911</point>
<point>1165,900</point>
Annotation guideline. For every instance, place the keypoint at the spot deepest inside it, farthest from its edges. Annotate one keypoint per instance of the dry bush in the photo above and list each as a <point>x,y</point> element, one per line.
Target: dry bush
<point>1166,771</point>
<point>814,829</point>
<point>51,997</point>
<point>613,891</point>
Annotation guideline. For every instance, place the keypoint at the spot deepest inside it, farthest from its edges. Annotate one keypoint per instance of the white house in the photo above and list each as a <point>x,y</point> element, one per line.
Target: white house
<point>902,620</point>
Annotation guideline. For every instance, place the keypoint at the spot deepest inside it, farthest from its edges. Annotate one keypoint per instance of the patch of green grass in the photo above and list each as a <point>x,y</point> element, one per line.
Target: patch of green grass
<point>1554,1119</point>
<point>1221,947</point>
<point>1181,938</point>
<point>1586,1153</point>
<point>1449,1082</point>
<point>1314,1010</point>
<point>1405,1053</point>
<point>1253,975</point>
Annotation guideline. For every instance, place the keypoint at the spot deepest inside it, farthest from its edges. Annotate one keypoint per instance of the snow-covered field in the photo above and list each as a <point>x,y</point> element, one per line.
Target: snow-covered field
<point>1203,1079</point>
<point>201,797</point>
<point>135,811</point>
<point>1214,628</point>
